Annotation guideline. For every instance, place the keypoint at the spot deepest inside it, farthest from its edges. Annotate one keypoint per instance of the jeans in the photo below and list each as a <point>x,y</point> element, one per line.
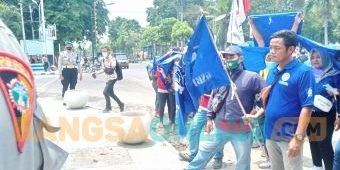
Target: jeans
<point>108,92</point>
<point>336,164</point>
<point>196,127</point>
<point>239,141</point>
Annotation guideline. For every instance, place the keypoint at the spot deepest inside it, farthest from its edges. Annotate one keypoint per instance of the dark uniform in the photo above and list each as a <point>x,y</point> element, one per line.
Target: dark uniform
<point>69,68</point>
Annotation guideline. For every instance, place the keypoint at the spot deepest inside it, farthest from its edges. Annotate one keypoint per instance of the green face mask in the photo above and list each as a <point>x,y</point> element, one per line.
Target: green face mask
<point>232,64</point>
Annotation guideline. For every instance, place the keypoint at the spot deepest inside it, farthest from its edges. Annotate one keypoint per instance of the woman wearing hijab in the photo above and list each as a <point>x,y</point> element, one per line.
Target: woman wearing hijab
<point>321,145</point>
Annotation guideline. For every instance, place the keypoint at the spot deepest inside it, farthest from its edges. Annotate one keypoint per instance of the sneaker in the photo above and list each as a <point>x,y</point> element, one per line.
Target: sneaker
<point>185,156</point>
<point>106,110</point>
<point>265,164</point>
<point>217,164</point>
<point>317,168</point>
<point>121,107</point>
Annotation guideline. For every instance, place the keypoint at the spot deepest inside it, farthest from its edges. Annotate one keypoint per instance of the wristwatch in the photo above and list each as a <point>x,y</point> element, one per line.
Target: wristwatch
<point>299,137</point>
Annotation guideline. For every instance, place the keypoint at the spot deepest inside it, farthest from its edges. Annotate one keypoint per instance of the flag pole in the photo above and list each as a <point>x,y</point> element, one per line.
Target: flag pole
<point>234,88</point>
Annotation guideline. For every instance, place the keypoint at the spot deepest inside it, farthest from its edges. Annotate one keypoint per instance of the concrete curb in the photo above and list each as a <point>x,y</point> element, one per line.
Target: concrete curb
<point>45,73</point>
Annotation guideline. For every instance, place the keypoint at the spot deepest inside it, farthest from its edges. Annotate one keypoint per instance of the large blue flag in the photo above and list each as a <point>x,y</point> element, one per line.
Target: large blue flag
<point>184,103</point>
<point>254,58</point>
<point>268,24</point>
<point>203,68</point>
<point>333,52</point>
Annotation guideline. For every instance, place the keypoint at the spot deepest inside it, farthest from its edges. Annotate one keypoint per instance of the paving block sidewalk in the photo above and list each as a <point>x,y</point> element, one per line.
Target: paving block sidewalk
<point>155,154</point>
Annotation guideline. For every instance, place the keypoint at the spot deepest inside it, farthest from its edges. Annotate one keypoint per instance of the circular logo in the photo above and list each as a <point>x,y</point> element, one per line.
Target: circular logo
<point>285,77</point>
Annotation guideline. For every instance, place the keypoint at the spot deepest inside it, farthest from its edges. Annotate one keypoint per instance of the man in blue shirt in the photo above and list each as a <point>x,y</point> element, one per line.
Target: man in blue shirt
<point>289,105</point>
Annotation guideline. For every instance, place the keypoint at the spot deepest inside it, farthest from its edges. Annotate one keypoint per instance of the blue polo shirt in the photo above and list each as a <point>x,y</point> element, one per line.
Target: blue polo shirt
<point>293,91</point>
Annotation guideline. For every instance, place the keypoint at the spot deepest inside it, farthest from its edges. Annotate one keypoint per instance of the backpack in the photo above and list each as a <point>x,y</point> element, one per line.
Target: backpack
<point>119,71</point>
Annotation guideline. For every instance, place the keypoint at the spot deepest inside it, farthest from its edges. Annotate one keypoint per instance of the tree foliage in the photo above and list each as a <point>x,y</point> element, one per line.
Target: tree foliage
<point>9,13</point>
<point>124,34</point>
<point>150,35</point>
<point>72,18</point>
<point>181,31</point>
<point>170,21</point>
<point>165,27</point>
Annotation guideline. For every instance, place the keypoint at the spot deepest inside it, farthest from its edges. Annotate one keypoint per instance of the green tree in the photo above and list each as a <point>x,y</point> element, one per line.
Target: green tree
<point>124,34</point>
<point>328,12</point>
<point>122,24</point>
<point>73,17</point>
<point>188,10</point>
<point>165,27</point>
<point>150,35</point>
<point>11,17</point>
<point>181,32</point>
<point>161,9</point>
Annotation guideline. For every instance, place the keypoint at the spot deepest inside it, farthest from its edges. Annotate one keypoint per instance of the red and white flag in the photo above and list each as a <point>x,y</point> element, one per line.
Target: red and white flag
<point>246,6</point>
<point>237,17</point>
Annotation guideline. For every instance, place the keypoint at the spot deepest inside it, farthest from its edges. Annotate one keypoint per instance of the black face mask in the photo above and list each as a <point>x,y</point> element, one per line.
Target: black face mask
<point>68,48</point>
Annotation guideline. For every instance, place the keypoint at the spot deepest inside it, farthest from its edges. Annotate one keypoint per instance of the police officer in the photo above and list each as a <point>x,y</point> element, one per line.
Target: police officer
<point>69,67</point>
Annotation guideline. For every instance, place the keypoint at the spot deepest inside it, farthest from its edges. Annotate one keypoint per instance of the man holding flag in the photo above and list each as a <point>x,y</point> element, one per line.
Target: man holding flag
<point>198,72</point>
<point>238,100</point>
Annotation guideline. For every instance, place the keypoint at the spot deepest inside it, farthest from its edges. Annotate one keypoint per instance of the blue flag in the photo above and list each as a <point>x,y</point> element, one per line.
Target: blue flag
<point>168,61</point>
<point>254,58</point>
<point>203,68</point>
<point>184,103</point>
<point>155,62</point>
<point>333,52</point>
<point>268,24</point>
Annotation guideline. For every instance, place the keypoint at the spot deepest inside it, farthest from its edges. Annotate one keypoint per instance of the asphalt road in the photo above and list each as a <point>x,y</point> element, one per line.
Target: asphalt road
<point>135,89</point>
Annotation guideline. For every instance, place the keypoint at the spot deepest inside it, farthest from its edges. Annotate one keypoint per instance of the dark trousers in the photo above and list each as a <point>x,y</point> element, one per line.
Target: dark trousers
<point>322,150</point>
<point>169,99</point>
<point>155,87</point>
<point>108,92</point>
<point>70,79</point>
<point>46,65</point>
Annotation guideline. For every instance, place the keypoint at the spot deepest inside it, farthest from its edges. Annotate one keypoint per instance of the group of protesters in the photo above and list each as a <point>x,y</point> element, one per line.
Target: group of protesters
<point>289,108</point>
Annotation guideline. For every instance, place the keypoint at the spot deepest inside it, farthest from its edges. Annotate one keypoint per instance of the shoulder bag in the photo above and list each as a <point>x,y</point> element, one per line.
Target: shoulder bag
<point>266,90</point>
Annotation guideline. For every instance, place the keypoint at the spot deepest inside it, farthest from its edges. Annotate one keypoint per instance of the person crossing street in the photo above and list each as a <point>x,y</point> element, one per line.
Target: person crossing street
<point>108,67</point>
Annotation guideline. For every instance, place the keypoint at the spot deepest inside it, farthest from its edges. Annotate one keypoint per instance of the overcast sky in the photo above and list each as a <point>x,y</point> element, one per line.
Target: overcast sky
<point>131,9</point>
